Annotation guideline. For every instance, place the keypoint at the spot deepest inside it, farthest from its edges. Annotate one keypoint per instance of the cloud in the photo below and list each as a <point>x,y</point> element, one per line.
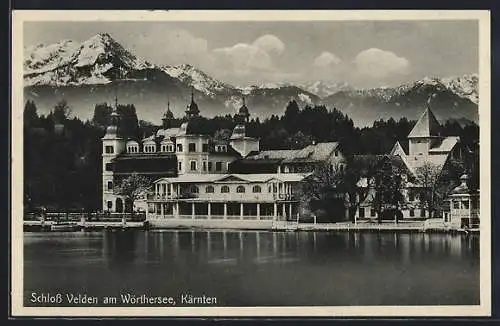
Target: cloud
<point>253,62</point>
<point>377,63</point>
<point>270,44</point>
<point>172,47</point>
<point>243,57</point>
<point>326,59</point>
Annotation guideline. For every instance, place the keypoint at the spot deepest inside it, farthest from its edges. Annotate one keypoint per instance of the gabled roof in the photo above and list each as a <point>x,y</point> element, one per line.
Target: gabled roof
<point>426,126</point>
<point>397,149</point>
<point>446,145</point>
<point>313,153</point>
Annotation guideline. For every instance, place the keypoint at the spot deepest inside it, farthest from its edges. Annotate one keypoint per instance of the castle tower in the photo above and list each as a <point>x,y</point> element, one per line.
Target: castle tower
<point>168,116</point>
<point>424,134</point>
<point>112,146</point>
<point>239,140</point>
<point>192,108</point>
<point>243,114</point>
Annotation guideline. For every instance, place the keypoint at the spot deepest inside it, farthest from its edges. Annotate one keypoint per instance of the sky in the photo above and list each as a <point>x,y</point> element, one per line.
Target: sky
<point>361,53</point>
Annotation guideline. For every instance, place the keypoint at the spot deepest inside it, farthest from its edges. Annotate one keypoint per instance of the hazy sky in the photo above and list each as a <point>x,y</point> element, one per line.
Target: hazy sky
<point>363,53</point>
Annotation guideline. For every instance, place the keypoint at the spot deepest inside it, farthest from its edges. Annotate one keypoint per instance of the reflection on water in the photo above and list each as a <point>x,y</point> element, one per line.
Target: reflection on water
<point>259,268</point>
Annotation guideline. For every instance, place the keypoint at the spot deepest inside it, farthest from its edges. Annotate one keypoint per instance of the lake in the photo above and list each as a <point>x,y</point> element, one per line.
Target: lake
<point>254,268</point>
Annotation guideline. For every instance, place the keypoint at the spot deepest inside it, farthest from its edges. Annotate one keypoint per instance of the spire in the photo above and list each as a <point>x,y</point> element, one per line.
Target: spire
<point>192,109</point>
<point>243,98</point>
<point>426,126</point>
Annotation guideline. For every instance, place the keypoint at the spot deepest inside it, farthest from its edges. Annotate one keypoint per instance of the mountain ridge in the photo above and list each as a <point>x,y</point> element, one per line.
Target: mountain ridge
<point>102,66</point>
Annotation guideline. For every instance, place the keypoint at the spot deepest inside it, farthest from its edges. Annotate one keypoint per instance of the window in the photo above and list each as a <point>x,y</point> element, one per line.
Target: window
<point>209,189</point>
<point>170,148</point>
<point>372,212</point>
<point>224,189</point>
<point>163,148</point>
<point>465,204</point>
<point>205,148</point>
<point>209,166</point>
<point>179,148</point>
<point>256,189</point>
<point>204,165</point>
<point>240,189</point>
<point>218,166</point>
<point>193,165</point>
<point>179,165</point>
<point>474,203</point>
<point>220,148</point>
<point>361,212</point>
<point>110,204</point>
<point>422,212</point>
<point>195,189</point>
<point>109,167</point>
<point>456,204</point>
<point>110,185</point>
<point>411,196</point>
<point>132,149</point>
<point>412,212</point>
<point>109,149</point>
<point>192,147</point>
<point>336,153</point>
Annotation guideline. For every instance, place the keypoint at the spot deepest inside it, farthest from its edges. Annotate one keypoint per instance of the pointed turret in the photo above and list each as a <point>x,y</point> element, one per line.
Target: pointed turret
<point>243,114</point>
<point>168,116</point>
<point>426,126</point>
<point>425,134</point>
<point>192,109</point>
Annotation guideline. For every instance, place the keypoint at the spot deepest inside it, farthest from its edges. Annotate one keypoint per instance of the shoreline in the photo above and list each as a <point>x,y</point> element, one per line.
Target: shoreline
<point>280,226</point>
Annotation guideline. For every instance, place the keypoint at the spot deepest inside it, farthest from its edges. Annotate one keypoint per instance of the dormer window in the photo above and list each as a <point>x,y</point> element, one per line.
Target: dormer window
<point>167,148</point>
<point>133,148</point>
<point>221,148</point>
<point>149,148</point>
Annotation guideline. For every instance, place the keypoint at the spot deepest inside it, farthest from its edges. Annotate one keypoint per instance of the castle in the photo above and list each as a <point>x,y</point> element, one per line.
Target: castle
<point>200,177</point>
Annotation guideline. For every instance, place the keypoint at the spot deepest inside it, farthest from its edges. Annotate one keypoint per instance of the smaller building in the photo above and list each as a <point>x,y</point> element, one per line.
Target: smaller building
<point>464,206</point>
<point>303,160</point>
<point>226,197</point>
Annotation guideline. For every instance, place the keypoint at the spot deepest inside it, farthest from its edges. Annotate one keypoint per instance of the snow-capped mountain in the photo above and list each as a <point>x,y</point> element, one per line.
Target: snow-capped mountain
<point>98,60</point>
<point>324,88</point>
<point>94,71</point>
<point>197,79</point>
<point>452,97</point>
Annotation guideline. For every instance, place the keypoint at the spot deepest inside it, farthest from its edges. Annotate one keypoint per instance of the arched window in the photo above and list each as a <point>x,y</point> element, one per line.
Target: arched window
<point>240,189</point>
<point>195,189</point>
<point>193,165</point>
<point>224,189</point>
<point>209,189</point>
<point>256,189</point>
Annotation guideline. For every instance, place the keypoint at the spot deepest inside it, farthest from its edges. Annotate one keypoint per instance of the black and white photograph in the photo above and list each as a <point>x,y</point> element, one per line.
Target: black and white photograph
<point>258,163</point>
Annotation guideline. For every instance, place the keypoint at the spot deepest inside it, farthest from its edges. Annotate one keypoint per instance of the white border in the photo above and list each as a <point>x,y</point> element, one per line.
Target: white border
<point>482,16</point>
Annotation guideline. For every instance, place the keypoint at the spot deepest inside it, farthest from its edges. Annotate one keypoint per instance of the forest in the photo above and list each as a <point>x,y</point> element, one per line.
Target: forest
<point>62,154</point>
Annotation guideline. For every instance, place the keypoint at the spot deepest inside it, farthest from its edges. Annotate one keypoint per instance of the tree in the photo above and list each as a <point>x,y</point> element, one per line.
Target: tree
<point>428,176</point>
<point>132,187</point>
<point>62,111</point>
<point>30,114</point>
<point>323,189</point>
<point>388,189</point>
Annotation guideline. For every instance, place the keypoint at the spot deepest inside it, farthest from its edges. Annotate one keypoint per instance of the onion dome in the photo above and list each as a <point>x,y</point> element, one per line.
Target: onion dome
<point>112,128</point>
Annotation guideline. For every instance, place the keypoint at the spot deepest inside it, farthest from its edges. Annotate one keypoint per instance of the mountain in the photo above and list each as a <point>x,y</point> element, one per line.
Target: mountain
<point>323,88</point>
<point>450,98</point>
<point>100,68</point>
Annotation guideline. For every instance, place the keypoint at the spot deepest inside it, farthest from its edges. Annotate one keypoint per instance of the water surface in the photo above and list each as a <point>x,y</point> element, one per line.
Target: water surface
<point>257,268</point>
